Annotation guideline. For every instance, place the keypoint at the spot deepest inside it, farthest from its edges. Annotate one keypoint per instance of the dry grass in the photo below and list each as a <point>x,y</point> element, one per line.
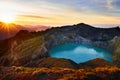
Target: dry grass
<point>25,73</point>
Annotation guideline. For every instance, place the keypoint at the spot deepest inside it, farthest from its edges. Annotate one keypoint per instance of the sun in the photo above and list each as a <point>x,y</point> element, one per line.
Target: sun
<point>7,18</point>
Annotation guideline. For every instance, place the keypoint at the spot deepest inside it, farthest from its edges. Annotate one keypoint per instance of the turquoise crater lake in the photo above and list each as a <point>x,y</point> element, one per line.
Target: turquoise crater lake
<point>79,53</point>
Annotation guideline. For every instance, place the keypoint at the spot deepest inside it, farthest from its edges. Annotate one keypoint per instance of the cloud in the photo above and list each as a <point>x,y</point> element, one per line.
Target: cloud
<point>85,50</point>
<point>65,11</point>
<point>116,3</point>
<point>35,16</point>
<point>112,4</point>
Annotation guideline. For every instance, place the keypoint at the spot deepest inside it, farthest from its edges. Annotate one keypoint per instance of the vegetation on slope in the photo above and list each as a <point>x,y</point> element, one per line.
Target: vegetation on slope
<point>27,51</point>
<point>116,50</point>
<point>53,62</point>
<point>24,73</point>
<point>29,46</point>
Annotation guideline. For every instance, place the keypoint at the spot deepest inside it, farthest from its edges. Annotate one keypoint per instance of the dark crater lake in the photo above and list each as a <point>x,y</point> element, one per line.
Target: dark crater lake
<point>79,53</point>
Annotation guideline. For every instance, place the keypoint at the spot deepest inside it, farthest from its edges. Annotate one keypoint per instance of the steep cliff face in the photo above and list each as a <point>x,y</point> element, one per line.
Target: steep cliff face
<point>16,48</point>
<point>21,54</point>
<point>81,33</point>
<point>116,50</point>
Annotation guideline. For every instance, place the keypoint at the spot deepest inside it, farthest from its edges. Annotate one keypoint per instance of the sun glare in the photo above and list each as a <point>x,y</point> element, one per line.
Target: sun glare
<point>7,18</point>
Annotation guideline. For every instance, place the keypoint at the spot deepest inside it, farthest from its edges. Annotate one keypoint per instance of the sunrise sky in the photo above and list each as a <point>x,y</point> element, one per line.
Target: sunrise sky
<point>60,12</point>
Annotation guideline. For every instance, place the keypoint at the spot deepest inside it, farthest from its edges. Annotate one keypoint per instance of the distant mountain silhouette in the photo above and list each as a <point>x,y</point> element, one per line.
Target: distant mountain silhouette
<point>9,30</point>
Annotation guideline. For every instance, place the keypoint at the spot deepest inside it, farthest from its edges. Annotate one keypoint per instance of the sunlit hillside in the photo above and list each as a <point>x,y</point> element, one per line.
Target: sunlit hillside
<point>25,73</point>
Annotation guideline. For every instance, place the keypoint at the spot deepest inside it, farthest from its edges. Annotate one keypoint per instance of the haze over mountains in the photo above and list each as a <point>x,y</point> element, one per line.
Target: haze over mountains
<point>9,30</point>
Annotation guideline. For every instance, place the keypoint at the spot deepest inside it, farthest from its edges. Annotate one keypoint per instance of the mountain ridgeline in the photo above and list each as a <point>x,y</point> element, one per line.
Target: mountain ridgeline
<point>31,49</point>
<point>8,30</point>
